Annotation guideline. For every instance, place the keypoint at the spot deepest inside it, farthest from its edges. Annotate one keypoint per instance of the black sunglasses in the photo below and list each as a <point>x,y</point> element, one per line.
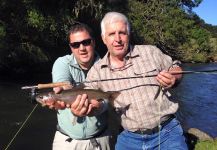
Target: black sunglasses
<point>86,42</point>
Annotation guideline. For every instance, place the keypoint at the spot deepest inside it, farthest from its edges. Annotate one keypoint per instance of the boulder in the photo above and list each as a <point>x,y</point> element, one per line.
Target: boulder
<point>200,135</point>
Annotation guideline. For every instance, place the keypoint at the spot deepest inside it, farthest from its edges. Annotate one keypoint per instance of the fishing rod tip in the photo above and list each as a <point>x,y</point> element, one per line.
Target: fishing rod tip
<point>28,87</point>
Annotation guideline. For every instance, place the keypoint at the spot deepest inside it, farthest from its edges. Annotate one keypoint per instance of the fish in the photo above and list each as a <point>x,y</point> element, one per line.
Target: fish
<point>68,96</point>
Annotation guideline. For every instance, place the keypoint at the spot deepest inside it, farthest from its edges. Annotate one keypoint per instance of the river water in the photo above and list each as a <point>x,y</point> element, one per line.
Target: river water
<point>196,94</point>
<point>197,97</point>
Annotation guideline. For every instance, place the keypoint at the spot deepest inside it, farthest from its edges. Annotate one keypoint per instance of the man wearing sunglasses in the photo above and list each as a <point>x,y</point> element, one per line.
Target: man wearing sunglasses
<point>76,130</point>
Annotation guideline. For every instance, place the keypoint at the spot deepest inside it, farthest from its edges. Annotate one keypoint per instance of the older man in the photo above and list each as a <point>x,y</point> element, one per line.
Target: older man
<point>148,121</point>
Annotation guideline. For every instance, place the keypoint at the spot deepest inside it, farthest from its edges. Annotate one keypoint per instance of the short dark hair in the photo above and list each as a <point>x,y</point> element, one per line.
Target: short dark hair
<point>77,26</point>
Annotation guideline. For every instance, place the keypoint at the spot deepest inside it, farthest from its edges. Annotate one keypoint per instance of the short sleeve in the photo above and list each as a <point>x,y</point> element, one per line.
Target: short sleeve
<point>61,71</point>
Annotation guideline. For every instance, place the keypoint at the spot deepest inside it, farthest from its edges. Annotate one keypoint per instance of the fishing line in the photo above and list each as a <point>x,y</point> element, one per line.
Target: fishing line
<point>159,113</point>
<point>21,126</point>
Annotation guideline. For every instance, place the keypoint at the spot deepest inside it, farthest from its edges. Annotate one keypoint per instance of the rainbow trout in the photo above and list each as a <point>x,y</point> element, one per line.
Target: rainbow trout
<point>68,96</point>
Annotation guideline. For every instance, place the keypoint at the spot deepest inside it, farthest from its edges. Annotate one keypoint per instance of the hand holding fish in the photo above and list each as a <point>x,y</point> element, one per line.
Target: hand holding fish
<point>95,107</point>
<point>80,106</point>
<point>83,107</point>
<point>56,104</point>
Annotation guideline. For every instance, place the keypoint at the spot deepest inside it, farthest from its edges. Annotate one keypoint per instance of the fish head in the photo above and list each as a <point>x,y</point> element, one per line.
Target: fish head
<point>43,98</point>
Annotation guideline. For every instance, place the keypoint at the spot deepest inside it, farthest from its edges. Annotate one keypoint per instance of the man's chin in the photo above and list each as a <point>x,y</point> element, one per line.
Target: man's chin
<point>119,51</point>
<point>85,60</point>
<point>84,57</point>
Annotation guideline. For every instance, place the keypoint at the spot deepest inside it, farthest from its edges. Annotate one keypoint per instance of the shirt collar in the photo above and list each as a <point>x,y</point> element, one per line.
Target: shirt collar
<point>75,64</point>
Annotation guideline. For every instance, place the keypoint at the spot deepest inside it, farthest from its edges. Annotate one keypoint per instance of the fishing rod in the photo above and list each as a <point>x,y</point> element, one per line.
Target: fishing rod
<point>46,85</point>
<point>52,85</point>
<point>193,72</point>
<point>152,75</point>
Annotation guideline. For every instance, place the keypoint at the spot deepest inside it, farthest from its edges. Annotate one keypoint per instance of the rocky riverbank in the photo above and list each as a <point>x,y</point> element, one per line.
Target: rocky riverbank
<point>198,140</point>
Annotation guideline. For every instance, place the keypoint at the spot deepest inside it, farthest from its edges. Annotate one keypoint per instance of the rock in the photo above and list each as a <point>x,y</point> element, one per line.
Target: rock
<point>200,135</point>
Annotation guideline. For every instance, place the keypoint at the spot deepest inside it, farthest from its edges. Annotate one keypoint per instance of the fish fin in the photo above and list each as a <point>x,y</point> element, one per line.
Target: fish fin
<point>122,109</point>
<point>79,86</point>
<point>158,92</point>
<point>113,96</point>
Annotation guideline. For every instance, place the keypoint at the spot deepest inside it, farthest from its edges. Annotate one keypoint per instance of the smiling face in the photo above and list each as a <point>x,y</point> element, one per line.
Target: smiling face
<point>84,51</point>
<point>116,39</point>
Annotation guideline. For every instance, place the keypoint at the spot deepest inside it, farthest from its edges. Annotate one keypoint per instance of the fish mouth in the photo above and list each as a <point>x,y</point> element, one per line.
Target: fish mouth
<point>42,98</point>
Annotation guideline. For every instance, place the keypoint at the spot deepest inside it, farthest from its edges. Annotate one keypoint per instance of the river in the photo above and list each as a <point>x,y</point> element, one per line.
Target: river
<point>196,95</point>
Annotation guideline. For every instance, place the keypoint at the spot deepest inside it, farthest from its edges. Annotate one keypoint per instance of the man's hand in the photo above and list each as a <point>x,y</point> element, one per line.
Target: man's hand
<point>82,106</point>
<point>55,104</point>
<point>167,79</point>
<point>94,107</point>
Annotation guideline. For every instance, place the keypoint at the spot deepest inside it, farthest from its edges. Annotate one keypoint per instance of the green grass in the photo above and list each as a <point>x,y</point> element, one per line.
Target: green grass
<point>206,145</point>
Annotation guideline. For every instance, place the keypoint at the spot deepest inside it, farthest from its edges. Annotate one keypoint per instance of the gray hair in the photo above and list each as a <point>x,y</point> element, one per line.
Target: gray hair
<point>112,17</point>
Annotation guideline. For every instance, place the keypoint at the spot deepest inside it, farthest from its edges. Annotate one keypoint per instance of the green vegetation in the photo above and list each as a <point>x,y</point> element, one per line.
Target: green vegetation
<point>33,32</point>
<point>206,145</point>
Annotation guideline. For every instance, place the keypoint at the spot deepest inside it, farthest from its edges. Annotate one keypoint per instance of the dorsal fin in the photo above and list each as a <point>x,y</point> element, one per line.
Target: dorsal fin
<point>79,86</point>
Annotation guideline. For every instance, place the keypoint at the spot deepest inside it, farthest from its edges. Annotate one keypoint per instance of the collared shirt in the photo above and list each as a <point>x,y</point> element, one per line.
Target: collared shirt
<point>143,104</point>
<point>66,68</point>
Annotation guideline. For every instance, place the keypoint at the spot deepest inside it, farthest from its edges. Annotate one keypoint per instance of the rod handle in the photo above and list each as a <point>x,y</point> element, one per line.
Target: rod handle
<point>52,85</point>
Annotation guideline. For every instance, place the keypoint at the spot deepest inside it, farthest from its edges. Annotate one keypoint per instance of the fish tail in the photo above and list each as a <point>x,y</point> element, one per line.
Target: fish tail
<point>113,96</point>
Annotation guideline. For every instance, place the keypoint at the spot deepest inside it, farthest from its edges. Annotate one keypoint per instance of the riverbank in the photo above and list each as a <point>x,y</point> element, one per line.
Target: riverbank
<point>199,140</point>
<point>204,145</point>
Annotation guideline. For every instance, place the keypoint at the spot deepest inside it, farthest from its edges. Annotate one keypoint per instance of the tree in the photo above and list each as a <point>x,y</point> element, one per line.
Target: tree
<point>33,32</point>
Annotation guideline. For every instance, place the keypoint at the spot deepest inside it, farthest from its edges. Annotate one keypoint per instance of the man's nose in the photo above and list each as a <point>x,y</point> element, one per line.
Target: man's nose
<point>117,37</point>
<point>81,47</point>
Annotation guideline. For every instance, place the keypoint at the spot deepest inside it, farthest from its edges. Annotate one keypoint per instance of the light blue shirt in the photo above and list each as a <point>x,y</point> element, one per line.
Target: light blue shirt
<point>66,68</point>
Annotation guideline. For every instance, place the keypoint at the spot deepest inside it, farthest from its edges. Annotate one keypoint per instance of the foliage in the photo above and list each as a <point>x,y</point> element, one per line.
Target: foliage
<point>36,19</point>
<point>171,28</point>
<point>34,31</point>
<point>2,31</point>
